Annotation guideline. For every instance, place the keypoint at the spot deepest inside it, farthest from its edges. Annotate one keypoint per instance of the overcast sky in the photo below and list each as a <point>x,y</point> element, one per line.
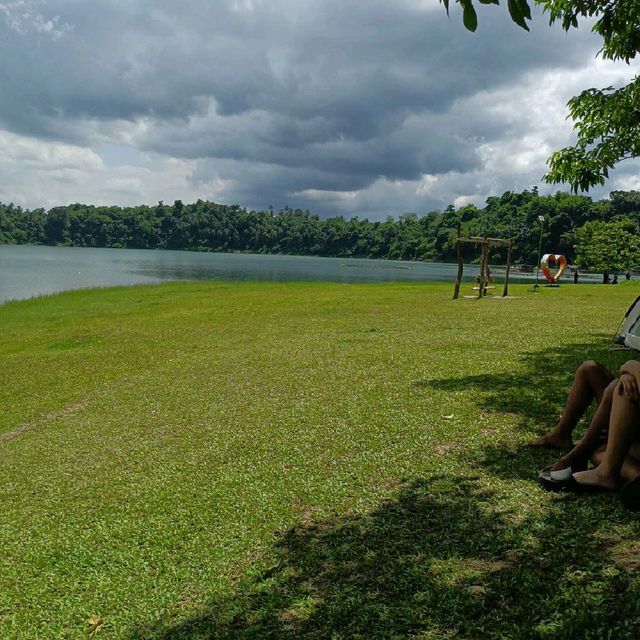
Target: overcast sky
<point>352,107</point>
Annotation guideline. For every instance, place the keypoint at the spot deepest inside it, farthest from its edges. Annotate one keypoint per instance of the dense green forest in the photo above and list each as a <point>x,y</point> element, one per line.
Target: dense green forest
<point>593,234</point>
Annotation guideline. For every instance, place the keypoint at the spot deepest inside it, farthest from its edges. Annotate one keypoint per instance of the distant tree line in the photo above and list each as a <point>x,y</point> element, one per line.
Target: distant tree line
<point>589,233</point>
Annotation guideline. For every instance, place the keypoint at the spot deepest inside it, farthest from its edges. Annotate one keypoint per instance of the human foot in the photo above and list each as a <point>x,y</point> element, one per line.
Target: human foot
<point>552,440</point>
<point>581,482</point>
<point>595,478</point>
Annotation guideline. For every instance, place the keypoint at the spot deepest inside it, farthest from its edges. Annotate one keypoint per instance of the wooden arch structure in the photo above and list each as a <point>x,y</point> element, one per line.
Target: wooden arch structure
<point>483,280</point>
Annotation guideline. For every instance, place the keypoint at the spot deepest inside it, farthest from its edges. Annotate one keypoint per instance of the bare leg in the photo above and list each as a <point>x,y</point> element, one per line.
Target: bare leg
<point>579,455</point>
<point>624,425</point>
<point>589,383</point>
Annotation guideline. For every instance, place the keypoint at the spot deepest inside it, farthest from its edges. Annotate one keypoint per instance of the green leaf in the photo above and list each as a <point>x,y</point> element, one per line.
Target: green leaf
<point>526,9</point>
<point>489,1</point>
<point>469,15</point>
<point>519,10</point>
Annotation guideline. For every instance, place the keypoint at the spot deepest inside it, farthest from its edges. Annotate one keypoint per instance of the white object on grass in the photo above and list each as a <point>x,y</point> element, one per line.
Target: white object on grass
<point>561,474</point>
<point>629,335</point>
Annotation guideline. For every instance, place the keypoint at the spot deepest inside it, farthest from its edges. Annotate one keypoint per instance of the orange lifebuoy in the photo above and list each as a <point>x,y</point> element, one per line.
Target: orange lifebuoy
<point>549,259</point>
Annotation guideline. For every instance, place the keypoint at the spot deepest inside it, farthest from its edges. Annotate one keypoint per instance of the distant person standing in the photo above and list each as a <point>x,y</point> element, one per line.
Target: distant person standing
<point>605,277</point>
<point>576,275</point>
<point>615,279</point>
<point>627,275</point>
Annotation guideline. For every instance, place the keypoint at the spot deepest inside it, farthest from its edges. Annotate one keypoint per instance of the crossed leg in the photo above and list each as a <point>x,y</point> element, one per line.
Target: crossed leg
<point>618,461</point>
<point>589,383</point>
<point>592,441</point>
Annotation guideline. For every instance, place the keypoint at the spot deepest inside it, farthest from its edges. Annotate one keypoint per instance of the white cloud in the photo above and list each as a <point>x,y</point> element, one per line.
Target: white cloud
<point>23,17</point>
<point>320,194</point>
<point>426,184</point>
<point>40,173</point>
<point>462,201</point>
<point>39,154</point>
<point>627,182</point>
<point>244,6</point>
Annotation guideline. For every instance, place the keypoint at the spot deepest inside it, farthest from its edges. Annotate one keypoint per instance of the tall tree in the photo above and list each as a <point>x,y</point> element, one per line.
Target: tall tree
<point>608,246</point>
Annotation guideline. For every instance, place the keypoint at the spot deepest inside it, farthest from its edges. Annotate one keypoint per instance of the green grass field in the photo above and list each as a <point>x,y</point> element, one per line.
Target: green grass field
<point>212,460</point>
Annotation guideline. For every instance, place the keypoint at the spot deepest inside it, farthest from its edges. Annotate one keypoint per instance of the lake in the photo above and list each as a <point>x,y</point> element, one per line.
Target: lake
<point>28,271</point>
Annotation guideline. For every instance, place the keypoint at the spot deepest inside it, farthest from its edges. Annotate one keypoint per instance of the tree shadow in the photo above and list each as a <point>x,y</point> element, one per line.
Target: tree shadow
<point>450,557</point>
<point>537,390</point>
<point>534,394</point>
<point>442,559</point>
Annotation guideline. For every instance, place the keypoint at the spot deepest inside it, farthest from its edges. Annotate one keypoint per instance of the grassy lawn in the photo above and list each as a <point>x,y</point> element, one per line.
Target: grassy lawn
<point>211,460</point>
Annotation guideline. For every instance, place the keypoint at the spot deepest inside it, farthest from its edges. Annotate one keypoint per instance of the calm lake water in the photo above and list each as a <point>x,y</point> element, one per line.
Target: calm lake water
<point>28,271</point>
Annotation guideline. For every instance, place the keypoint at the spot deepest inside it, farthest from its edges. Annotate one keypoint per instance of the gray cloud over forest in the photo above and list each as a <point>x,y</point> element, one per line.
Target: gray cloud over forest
<point>364,108</point>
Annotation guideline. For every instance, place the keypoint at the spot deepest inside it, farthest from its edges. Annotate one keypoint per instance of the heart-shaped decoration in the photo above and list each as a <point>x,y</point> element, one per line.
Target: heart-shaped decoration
<point>549,260</point>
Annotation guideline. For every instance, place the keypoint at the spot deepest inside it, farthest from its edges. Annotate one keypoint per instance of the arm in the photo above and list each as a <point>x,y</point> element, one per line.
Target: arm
<point>630,369</point>
<point>630,380</point>
<point>630,366</point>
<point>629,387</point>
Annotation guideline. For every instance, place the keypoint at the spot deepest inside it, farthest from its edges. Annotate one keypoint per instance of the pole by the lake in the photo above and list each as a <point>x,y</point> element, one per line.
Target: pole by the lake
<point>456,290</point>
<point>541,219</point>
<point>505,291</point>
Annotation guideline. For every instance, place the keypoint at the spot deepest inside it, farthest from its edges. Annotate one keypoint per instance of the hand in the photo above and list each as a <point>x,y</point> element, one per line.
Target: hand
<point>632,367</point>
<point>628,387</point>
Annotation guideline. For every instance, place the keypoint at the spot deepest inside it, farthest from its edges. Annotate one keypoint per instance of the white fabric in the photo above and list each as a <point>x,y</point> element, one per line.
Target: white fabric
<point>630,332</point>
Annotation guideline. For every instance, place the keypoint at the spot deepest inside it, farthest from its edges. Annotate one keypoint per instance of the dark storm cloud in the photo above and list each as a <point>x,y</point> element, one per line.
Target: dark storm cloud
<point>351,63</point>
<point>294,96</point>
<point>402,152</point>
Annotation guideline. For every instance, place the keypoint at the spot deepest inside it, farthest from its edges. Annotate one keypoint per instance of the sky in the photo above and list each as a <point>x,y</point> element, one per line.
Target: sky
<point>362,108</point>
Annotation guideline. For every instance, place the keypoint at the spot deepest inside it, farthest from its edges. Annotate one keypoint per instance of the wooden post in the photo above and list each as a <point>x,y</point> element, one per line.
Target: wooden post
<point>487,280</point>
<point>456,290</point>
<point>479,278</point>
<point>505,291</point>
<point>483,259</point>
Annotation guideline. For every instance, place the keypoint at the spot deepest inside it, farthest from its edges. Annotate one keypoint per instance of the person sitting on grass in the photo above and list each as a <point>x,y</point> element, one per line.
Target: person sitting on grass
<point>590,382</point>
<point>617,460</point>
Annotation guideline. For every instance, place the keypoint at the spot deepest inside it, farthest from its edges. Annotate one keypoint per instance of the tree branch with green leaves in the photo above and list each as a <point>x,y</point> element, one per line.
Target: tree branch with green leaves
<point>607,121</point>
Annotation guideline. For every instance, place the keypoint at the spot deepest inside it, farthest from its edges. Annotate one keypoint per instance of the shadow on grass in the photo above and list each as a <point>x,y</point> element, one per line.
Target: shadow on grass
<point>536,392</point>
<point>534,395</point>
<point>449,557</point>
<point>439,560</point>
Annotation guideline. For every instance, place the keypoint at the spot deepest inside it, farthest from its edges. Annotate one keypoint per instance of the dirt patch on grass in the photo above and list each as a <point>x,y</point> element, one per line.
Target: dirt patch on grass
<point>445,448</point>
<point>626,556</point>
<point>487,566</point>
<point>64,412</point>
